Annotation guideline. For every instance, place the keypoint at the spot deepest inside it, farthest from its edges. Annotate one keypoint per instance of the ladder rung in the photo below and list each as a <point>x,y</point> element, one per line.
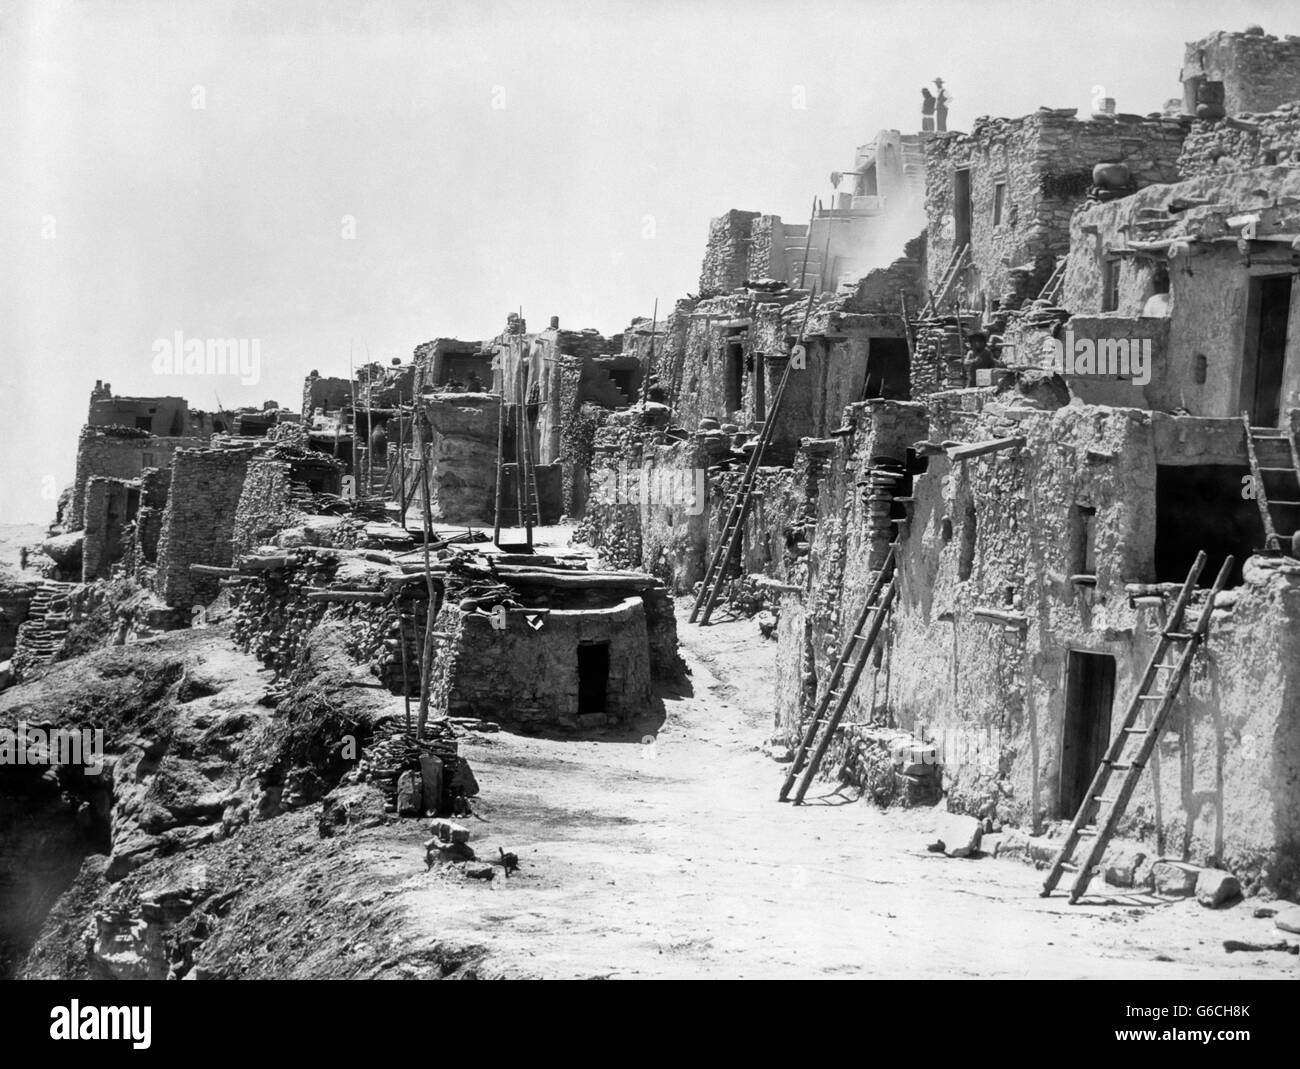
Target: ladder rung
<point>1273,501</point>
<point>1124,768</point>
<point>1290,471</point>
<point>1068,866</point>
<point>1183,635</point>
<point>1136,731</point>
<point>1151,697</point>
<point>1086,832</point>
<point>1101,798</point>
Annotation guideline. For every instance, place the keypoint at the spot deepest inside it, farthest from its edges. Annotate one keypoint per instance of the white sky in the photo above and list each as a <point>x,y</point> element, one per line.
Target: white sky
<point>226,221</point>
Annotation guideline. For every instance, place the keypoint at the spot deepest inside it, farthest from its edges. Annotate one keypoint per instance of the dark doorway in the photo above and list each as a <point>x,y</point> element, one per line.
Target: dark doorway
<point>593,677</point>
<point>1201,507</point>
<point>1089,693</point>
<point>735,372</point>
<point>889,370</point>
<point>961,207</point>
<point>1267,314</point>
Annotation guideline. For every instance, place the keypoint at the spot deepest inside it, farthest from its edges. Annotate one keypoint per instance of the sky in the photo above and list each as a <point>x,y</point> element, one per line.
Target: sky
<point>347,180</point>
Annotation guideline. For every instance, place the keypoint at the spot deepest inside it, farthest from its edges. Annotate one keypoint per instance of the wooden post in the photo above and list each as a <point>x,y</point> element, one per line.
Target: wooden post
<point>807,245</point>
<point>426,658</point>
<point>501,446</point>
<point>650,358</point>
<point>519,465</point>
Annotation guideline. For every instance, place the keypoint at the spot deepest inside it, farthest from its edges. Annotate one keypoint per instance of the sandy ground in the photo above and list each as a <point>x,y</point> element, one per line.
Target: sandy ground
<point>672,858</point>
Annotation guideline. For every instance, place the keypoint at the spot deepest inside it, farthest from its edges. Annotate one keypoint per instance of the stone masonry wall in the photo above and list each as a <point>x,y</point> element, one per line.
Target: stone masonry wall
<point>726,257</point>
<point>1241,144</point>
<point>118,456</point>
<point>1045,160</point>
<point>1258,71</point>
<point>200,521</point>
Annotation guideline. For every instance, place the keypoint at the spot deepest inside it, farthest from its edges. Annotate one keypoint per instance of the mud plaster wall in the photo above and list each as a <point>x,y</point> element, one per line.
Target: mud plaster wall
<point>1208,288</point>
<point>1022,152</point>
<point>199,522</point>
<point>993,700</point>
<point>462,457</point>
<point>846,548</point>
<point>119,458</point>
<point>530,677</point>
<point>1258,71</point>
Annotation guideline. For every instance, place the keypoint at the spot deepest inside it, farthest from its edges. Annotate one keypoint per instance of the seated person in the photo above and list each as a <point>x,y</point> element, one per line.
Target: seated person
<point>978,356</point>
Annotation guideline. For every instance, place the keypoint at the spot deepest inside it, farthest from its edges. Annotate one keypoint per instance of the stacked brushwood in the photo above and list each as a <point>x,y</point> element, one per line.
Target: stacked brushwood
<point>395,750</point>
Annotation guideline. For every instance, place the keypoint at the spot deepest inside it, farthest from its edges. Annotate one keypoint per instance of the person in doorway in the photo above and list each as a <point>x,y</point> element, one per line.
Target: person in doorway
<point>979,357</point>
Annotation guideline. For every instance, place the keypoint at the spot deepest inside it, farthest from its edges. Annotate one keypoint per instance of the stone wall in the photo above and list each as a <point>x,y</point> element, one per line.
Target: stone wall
<point>329,394</point>
<point>726,256</point>
<point>1239,144</point>
<point>529,678</point>
<point>1045,162</point>
<point>110,508</point>
<point>199,523</point>
<point>462,448</point>
<point>118,455</point>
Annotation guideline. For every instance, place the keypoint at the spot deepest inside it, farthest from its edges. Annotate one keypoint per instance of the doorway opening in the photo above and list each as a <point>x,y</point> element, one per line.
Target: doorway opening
<point>735,376</point>
<point>1268,311</point>
<point>1089,695</point>
<point>1200,507</point>
<point>593,677</point>
<point>889,370</point>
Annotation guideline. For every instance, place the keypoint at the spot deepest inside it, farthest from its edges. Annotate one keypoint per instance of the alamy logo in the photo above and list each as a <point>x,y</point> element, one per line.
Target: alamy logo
<point>23,745</point>
<point>666,487</point>
<point>1117,357</point>
<point>76,1021</point>
<point>179,355</point>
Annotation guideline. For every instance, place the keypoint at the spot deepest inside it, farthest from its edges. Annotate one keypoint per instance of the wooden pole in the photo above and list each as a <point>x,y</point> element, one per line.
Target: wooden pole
<point>370,430</point>
<point>529,481</point>
<point>807,245</point>
<point>352,382</point>
<point>650,359</point>
<point>501,446</point>
<point>519,465</point>
<point>401,464</point>
<point>426,658</point>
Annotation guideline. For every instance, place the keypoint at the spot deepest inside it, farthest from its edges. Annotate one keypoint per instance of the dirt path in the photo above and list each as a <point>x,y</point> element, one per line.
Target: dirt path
<point>673,859</point>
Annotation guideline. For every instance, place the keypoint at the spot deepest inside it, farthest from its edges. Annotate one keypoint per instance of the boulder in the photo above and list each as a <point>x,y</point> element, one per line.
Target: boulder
<point>1215,888</point>
<point>956,835</point>
<point>448,831</point>
<point>1175,878</point>
<point>1287,918</point>
<point>1119,868</point>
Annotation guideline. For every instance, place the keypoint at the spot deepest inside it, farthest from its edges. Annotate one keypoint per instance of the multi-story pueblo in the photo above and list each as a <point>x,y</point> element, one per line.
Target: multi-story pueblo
<point>919,596</point>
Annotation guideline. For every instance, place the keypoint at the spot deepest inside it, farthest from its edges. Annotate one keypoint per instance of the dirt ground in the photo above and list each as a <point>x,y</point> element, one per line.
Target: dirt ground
<point>672,858</point>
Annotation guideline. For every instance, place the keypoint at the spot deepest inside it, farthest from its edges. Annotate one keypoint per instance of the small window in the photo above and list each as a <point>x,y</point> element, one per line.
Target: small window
<point>147,460</point>
<point>1200,368</point>
<point>1110,284</point>
<point>1085,561</point>
<point>999,199</point>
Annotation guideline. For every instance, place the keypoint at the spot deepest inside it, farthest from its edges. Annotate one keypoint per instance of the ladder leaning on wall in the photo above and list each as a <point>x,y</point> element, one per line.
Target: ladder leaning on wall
<point>1254,436</point>
<point>715,575</point>
<point>839,690</point>
<point>1135,742</point>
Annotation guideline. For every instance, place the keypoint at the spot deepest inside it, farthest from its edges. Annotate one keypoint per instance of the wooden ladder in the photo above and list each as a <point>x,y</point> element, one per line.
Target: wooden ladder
<point>715,577</point>
<point>1272,540</point>
<point>950,273</point>
<point>854,657</point>
<point>1158,690</point>
<point>1052,289</point>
